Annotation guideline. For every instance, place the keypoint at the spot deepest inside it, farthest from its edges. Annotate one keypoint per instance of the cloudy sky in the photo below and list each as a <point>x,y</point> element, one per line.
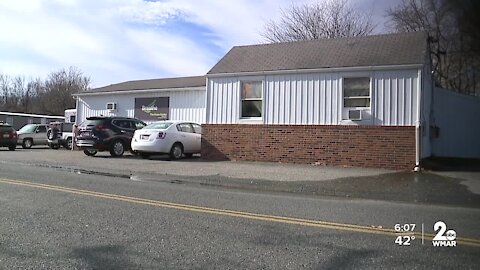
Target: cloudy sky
<point>119,40</point>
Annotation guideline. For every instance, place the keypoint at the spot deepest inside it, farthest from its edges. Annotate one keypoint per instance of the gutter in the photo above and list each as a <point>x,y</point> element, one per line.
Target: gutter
<point>120,92</point>
<point>316,70</point>
<point>32,115</point>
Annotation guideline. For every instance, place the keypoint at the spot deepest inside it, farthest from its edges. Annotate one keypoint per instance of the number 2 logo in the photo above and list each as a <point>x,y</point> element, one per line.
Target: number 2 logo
<point>440,227</point>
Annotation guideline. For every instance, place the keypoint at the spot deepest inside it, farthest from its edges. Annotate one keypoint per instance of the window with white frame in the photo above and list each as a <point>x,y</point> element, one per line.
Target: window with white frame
<point>356,92</point>
<point>251,99</point>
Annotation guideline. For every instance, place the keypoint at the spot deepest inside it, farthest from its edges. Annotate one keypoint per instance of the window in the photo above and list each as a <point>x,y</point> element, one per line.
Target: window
<point>138,124</point>
<point>124,124</point>
<point>185,127</point>
<point>159,125</point>
<point>93,122</point>
<point>197,128</point>
<point>252,99</point>
<point>42,129</point>
<point>28,129</point>
<point>111,106</point>
<point>356,92</point>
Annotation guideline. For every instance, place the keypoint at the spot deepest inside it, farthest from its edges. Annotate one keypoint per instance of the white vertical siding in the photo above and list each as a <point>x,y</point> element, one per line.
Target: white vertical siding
<point>456,115</point>
<point>186,105</point>
<point>223,101</point>
<point>317,98</point>
<point>311,99</point>
<point>395,97</point>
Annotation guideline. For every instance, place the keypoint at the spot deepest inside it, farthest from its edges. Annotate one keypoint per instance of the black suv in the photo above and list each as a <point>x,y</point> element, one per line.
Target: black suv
<point>112,134</point>
<point>8,136</point>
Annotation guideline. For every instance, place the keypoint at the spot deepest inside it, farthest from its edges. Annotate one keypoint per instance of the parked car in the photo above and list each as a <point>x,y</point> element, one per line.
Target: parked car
<point>32,134</point>
<point>112,134</point>
<point>8,136</point>
<point>175,138</point>
<point>60,134</point>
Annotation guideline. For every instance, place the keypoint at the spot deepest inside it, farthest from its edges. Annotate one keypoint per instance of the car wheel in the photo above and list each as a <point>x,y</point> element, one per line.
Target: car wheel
<point>12,147</point>
<point>177,151</point>
<point>69,144</point>
<point>89,152</point>
<point>117,149</point>
<point>145,155</point>
<point>27,143</point>
<point>189,155</point>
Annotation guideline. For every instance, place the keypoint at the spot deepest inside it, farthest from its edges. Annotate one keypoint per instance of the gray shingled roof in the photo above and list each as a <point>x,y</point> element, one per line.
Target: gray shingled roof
<point>377,50</point>
<point>166,83</point>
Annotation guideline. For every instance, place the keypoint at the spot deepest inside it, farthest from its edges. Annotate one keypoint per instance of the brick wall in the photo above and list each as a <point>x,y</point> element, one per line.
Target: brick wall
<point>390,147</point>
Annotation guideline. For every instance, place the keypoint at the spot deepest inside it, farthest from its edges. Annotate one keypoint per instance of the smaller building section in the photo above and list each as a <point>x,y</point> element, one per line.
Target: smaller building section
<point>18,120</point>
<point>362,101</point>
<point>180,98</point>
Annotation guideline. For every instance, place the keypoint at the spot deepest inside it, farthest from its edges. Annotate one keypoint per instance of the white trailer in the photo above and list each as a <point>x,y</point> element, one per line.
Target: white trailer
<point>70,115</point>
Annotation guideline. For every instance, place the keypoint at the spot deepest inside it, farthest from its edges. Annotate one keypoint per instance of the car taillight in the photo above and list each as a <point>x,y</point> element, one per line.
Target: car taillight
<point>100,127</point>
<point>13,134</point>
<point>161,135</point>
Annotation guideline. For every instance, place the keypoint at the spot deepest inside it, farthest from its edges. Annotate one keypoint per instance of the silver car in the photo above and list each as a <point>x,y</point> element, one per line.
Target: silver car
<point>32,134</point>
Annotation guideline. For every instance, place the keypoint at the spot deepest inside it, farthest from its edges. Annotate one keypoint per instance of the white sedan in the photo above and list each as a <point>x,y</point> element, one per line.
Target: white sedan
<point>176,138</point>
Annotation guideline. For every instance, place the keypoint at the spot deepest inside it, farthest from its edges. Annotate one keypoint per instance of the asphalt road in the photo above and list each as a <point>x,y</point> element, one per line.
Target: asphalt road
<point>54,219</point>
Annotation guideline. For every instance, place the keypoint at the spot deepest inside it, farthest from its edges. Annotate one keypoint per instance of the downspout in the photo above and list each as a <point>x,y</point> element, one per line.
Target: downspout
<point>418,124</point>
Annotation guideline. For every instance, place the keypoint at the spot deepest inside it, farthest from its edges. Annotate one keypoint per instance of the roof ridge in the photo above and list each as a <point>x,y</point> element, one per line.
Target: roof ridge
<point>331,39</point>
<point>145,80</point>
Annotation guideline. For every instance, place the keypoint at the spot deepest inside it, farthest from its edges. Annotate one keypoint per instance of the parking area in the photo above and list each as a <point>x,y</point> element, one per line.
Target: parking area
<point>195,166</point>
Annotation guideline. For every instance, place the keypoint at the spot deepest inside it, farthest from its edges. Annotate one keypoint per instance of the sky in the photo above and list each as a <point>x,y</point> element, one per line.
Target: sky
<point>112,41</point>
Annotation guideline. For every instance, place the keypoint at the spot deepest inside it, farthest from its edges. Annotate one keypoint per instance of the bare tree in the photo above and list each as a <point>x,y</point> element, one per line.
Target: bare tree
<point>328,19</point>
<point>56,95</point>
<point>4,90</point>
<point>51,96</point>
<point>455,62</point>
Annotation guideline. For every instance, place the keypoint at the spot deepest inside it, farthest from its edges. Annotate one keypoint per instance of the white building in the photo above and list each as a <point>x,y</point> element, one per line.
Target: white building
<point>148,100</point>
<point>363,101</point>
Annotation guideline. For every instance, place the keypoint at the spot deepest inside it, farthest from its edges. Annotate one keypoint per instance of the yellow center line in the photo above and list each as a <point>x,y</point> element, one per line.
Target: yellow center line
<point>233,213</point>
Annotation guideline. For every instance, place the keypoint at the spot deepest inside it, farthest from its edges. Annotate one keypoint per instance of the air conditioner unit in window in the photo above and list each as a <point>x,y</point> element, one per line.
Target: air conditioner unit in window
<point>355,115</point>
<point>111,106</point>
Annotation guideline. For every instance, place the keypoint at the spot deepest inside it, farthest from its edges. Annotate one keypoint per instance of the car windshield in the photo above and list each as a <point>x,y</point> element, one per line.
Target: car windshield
<point>158,125</point>
<point>28,128</point>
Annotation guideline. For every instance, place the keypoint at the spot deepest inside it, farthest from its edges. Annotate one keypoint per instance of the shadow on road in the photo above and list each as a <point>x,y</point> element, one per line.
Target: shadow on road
<point>104,257</point>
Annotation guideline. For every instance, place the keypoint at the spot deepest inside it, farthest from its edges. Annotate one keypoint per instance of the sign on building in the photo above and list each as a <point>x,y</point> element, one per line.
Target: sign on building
<point>152,108</point>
